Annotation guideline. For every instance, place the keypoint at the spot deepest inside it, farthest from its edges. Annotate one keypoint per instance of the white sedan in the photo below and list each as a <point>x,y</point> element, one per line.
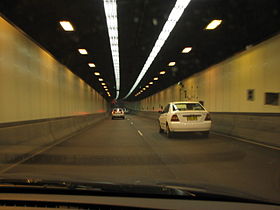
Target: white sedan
<point>117,113</point>
<point>184,116</point>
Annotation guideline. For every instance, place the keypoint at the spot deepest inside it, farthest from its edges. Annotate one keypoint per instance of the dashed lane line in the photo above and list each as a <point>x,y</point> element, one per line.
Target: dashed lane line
<point>141,134</point>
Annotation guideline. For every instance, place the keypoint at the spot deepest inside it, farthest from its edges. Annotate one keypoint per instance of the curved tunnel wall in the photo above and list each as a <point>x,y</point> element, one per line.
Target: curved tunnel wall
<point>33,85</point>
<point>224,90</point>
<point>224,87</point>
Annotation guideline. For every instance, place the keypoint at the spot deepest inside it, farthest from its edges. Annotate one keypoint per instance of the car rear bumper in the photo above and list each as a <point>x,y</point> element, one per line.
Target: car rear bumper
<point>189,127</point>
<point>118,115</point>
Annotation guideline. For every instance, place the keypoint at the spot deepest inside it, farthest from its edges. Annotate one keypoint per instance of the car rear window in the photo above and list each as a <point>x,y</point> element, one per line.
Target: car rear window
<point>187,106</point>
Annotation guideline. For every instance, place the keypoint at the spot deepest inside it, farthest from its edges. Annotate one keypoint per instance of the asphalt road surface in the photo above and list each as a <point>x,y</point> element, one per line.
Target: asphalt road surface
<point>132,151</point>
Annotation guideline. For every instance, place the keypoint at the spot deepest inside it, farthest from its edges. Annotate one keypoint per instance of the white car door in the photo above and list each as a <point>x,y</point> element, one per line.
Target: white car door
<point>163,117</point>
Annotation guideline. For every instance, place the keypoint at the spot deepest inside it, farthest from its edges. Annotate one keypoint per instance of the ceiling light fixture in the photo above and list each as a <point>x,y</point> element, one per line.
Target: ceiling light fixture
<point>92,65</point>
<point>150,83</point>
<point>110,7</point>
<point>174,16</point>
<point>105,87</point>
<point>162,72</point>
<point>100,79</point>
<point>172,63</point>
<point>147,86</point>
<point>96,73</point>
<point>83,51</point>
<point>155,78</point>
<point>186,49</point>
<point>213,24</point>
<point>103,83</point>
<point>66,25</point>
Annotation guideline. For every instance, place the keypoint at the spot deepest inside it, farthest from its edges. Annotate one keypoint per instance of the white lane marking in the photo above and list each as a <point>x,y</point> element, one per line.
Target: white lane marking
<point>248,141</point>
<point>141,134</point>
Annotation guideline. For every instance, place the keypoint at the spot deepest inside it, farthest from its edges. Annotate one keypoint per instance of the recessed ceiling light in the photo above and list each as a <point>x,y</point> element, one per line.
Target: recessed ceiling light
<point>213,24</point>
<point>172,63</point>
<point>91,65</point>
<point>110,7</point>
<point>156,78</point>
<point>100,79</point>
<point>106,89</point>
<point>103,83</point>
<point>186,49</point>
<point>147,86</point>
<point>66,25</point>
<point>162,72</point>
<point>151,83</point>
<point>144,88</point>
<point>105,86</point>
<point>173,18</point>
<point>83,51</point>
<point>96,73</point>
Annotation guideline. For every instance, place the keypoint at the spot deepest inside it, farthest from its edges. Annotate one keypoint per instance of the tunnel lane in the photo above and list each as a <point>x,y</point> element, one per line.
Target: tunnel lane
<point>132,151</point>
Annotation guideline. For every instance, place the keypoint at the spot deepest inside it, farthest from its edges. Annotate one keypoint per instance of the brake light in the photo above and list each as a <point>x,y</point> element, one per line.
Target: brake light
<point>174,118</point>
<point>208,117</point>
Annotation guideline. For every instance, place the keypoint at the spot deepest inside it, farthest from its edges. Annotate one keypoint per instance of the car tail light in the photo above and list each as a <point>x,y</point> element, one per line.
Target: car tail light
<point>208,117</point>
<point>174,118</point>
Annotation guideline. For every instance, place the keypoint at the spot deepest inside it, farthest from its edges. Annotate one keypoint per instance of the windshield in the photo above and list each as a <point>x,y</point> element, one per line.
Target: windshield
<point>88,91</point>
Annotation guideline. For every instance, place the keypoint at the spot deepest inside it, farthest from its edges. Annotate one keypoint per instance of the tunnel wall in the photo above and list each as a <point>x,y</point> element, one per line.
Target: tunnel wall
<point>33,85</point>
<point>42,102</point>
<point>223,89</point>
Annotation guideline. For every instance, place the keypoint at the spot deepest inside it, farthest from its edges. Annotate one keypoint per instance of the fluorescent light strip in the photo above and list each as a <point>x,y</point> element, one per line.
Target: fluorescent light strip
<point>110,7</point>
<point>174,16</point>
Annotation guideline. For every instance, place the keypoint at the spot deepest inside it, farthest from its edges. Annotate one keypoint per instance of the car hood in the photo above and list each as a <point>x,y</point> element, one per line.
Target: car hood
<point>137,188</point>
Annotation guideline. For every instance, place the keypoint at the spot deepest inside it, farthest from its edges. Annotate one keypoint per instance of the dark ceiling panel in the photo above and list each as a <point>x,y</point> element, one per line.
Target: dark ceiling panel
<point>245,23</point>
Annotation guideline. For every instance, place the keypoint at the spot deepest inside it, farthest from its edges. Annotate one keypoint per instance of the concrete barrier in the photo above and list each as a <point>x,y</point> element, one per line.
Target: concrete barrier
<point>18,140</point>
<point>258,127</point>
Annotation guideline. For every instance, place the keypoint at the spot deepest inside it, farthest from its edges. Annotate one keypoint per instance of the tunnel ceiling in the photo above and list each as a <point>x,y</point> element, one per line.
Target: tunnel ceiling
<point>245,23</point>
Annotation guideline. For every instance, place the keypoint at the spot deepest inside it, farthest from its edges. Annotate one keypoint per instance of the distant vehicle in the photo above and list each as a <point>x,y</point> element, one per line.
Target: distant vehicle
<point>117,113</point>
<point>184,116</point>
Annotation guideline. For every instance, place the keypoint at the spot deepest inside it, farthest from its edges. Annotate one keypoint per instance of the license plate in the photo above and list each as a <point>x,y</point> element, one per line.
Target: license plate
<point>191,118</point>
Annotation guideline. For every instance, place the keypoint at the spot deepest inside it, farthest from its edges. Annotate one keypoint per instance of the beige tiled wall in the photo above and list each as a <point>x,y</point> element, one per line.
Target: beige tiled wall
<point>33,85</point>
<point>223,87</point>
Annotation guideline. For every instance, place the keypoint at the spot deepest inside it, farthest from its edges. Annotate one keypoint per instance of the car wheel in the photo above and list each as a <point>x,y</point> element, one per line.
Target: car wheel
<point>168,132</point>
<point>205,133</point>
<point>160,130</point>
<point>112,118</point>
